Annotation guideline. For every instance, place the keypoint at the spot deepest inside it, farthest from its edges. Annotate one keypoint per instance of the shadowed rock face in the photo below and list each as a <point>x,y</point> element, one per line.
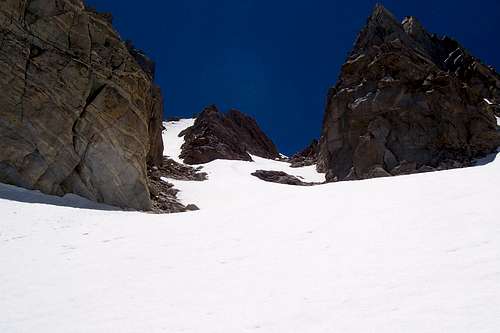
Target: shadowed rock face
<point>231,136</point>
<point>407,101</point>
<point>306,157</point>
<point>78,114</point>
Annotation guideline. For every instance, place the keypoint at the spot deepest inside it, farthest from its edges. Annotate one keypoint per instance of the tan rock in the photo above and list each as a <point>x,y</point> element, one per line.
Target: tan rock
<point>76,109</point>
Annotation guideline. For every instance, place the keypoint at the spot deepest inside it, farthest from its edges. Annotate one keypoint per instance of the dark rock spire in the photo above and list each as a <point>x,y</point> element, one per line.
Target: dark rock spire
<point>407,101</point>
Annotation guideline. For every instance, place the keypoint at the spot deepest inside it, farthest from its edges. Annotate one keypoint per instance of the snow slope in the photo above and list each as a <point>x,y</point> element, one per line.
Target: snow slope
<point>172,141</point>
<point>416,253</point>
<point>230,184</point>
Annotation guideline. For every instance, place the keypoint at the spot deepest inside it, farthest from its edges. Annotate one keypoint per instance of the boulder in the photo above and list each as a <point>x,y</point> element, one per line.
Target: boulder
<point>407,101</point>
<point>280,177</point>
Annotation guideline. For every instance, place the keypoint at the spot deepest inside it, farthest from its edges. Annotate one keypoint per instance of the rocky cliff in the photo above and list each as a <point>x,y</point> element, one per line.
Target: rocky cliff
<point>79,112</point>
<point>231,136</point>
<point>407,101</point>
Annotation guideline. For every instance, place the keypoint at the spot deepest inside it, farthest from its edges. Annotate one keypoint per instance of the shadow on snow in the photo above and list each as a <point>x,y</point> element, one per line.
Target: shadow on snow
<point>13,193</point>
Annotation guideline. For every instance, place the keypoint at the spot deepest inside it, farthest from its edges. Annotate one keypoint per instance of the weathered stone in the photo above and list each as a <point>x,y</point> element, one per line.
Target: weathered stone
<point>231,136</point>
<point>405,168</point>
<point>155,153</point>
<point>192,208</point>
<point>77,112</point>
<point>425,169</point>
<point>407,98</point>
<point>280,177</point>
<point>163,193</point>
<point>171,169</point>
<point>377,172</point>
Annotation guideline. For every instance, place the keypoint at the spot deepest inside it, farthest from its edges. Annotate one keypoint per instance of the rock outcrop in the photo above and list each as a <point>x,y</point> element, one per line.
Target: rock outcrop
<point>306,157</point>
<point>280,177</point>
<point>178,171</point>
<point>163,193</point>
<point>231,136</point>
<point>79,112</point>
<point>407,101</point>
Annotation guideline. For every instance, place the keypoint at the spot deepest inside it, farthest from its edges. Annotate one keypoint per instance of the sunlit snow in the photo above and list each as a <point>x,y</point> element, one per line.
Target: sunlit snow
<point>414,253</point>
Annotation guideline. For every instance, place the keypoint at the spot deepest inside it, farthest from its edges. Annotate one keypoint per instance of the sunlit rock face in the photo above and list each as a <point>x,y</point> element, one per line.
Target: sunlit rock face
<point>79,112</point>
<point>407,101</point>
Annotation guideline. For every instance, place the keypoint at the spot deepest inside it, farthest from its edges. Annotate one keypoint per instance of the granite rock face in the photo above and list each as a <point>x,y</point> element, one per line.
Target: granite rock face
<point>78,112</point>
<point>407,101</point>
<point>231,136</point>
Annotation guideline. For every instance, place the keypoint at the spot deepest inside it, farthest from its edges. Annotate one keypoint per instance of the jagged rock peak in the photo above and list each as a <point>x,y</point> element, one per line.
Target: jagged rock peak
<point>417,32</point>
<point>412,25</point>
<point>232,136</point>
<point>210,110</point>
<point>407,101</point>
<point>382,15</point>
<point>380,24</point>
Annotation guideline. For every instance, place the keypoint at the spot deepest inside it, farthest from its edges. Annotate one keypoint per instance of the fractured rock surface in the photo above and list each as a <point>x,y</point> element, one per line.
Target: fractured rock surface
<point>163,193</point>
<point>407,101</point>
<point>231,136</point>
<point>79,112</point>
<point>174,170</point>
<point>280,177</point>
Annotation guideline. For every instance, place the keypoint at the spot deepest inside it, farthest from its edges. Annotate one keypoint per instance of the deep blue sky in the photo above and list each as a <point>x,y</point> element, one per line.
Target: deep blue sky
<point>274,59</point>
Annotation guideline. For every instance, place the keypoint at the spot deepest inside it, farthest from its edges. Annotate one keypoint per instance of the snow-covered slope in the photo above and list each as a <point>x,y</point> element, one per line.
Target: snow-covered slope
<point>416,253</point>
<point>230,184</point>
<point>172,141</point>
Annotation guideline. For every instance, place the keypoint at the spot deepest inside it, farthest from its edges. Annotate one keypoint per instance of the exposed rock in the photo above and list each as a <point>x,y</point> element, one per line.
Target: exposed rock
<point>105,16</point>
<point>377,172</point>
<point>78,114</point>
<point>280,177</point>
<point>192,207</point>
<point>405,168</point>
<point>178,171</point>
<point>164,196</point>
<point>147,65</point>
<point>407,101</point>
<point>426,168</point>
<point>163,193</point>
<point>231,136</point>
<point>308,156</point>
<point>155,154</point>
